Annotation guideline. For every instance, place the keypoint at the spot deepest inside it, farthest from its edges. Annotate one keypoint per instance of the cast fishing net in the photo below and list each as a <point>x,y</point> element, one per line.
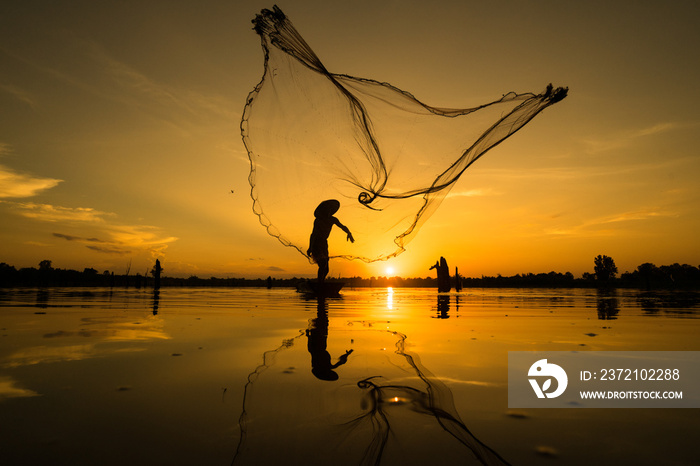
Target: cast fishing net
<point>389,159</point>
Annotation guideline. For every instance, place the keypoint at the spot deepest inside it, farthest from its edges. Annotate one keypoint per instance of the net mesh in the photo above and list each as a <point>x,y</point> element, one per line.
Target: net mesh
<point>389,159</point>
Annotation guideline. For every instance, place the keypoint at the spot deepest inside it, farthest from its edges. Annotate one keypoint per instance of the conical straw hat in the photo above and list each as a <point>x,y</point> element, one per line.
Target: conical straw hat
<point>327,208</point>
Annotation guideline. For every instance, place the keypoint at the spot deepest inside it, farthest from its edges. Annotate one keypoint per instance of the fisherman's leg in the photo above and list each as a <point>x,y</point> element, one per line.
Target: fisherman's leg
<point>322,270</point>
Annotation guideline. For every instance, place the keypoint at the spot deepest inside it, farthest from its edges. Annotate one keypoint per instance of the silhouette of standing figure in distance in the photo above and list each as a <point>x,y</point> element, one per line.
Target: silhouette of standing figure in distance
<point>318,243</point>
<point>443,275</point>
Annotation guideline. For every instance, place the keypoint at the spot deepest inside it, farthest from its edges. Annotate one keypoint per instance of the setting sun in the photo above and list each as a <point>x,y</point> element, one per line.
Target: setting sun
<point>390,271</point>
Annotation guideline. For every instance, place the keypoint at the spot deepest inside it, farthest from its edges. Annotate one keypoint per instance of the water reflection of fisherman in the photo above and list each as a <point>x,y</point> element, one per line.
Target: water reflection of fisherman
<point>317,335</point>
<point>318,243</point>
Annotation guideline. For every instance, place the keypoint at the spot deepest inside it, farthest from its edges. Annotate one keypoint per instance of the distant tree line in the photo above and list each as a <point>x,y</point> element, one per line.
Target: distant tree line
<point>646,276</point>
<point>46,275</point>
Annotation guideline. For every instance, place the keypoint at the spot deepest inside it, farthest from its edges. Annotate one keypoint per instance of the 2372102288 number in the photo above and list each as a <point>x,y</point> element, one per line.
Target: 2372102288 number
<point>640,374</point>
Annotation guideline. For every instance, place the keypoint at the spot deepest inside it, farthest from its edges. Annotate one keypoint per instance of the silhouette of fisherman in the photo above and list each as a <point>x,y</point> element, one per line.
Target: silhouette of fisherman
<point>318,243</point>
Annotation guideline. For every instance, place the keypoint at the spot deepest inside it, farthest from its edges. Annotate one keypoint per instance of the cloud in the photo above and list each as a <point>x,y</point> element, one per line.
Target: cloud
<point>103,75</point>
<point>579,173</point>
<point>143,237</point>
<point>601,226</point>
<point>17,185</point>
<point>626,138</point>
<point>19,94</point>
<point>656,129</point>
<point>472,193</point>
<point>134,86</point>
<point>138,236</point>
<point>37,243</point>
<point>124,239</point>
<point>109,250</point>
<point>51,213</point>
<point>77,238</point>
<point>103,246</point>
<point>9,389</point>
<point>105,235</point>
<point>275,269</point>
<point>110,78</point>
<point>634,215</point>
<point>63,333</point>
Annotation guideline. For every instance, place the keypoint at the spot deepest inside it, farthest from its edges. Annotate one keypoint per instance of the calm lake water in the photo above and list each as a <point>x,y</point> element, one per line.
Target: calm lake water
<point>376,376</point>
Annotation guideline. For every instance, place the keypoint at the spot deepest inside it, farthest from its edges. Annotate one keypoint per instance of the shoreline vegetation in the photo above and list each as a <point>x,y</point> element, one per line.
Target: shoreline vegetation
<point>646,277</point>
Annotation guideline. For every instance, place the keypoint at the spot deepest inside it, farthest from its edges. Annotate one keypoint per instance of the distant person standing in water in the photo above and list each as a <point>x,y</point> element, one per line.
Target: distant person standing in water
<point>318,243</point>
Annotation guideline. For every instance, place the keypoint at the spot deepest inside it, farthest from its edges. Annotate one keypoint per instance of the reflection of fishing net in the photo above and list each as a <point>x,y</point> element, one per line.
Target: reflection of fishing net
<point>389,158</point>
<point>383,407</point>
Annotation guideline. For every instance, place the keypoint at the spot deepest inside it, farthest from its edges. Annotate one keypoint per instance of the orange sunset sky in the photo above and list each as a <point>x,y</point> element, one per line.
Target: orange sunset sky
<point>120,141</point>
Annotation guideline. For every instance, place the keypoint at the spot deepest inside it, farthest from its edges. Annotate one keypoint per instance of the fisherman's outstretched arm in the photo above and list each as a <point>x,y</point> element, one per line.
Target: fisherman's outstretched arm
<point>345,229</point>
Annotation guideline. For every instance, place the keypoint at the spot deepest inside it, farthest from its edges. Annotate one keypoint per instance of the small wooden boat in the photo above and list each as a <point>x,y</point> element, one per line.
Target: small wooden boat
<point>313,287</point>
